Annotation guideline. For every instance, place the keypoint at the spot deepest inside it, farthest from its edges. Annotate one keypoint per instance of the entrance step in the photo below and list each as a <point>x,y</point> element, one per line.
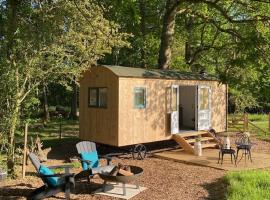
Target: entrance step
<point>187,140</point>
<point>203,139</point>
<point>192,133</point>
<point>209,145</point>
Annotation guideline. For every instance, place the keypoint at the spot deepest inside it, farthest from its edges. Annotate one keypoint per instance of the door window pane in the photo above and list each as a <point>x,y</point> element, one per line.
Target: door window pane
<point>174,99</point>
<point>139,97</point>
<point>204,99</point>
<point>103,97</point>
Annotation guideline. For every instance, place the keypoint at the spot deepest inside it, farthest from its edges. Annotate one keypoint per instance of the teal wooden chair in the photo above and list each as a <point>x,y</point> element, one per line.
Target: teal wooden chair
<point>53,183</point>
<point>90,160</point>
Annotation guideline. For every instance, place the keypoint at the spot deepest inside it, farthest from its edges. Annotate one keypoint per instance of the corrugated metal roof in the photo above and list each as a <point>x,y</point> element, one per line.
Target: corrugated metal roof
<point>157,73</point>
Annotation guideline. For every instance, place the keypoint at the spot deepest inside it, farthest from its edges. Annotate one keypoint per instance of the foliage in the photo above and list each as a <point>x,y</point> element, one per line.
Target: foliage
<point>146,36</point>
<point>248,185</point>
<point>43,42</point>
<point>227,38</point>
<point>242,100</point>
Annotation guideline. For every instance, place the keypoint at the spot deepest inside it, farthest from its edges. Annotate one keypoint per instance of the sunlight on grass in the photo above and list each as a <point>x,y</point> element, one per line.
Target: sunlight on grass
<point>49,133</point>
<point>260,120</point>
<point>258,117</point>
<point>248,185</point>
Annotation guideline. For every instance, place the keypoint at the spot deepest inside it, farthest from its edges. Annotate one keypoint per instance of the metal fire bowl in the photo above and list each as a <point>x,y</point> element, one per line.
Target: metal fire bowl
<point>137,171</point>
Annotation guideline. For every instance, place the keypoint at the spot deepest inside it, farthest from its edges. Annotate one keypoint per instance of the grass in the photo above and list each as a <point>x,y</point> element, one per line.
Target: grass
<point>49,133</point>
<point>258,117</point>
<point>248,185</point>
<point>260,120</point>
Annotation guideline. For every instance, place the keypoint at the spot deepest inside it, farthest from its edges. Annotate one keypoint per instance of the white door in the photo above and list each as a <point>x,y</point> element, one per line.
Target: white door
<point>175,109</point>
<point>203,108</point>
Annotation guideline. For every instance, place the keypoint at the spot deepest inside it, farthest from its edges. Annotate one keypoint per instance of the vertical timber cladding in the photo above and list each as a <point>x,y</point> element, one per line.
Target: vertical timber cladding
<point>150,124</point>
<point>99,124</point>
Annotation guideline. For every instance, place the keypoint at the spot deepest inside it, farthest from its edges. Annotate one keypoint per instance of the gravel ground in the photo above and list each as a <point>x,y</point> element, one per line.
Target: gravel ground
<point>164,179</point>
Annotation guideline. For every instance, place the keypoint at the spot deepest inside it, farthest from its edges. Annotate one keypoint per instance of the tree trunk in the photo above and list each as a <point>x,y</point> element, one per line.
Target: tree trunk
<point>11,28</point>
<point>73,113</point>
<point>143,31</point>
<point>11,147</point>
<point>45,106</point>
<point>167,34</point>
<point>188,49</point>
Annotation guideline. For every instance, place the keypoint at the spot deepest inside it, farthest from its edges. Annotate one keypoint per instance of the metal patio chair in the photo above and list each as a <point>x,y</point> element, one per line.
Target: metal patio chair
<point>53,183</point>
<point>243,143</point>
<point>223,149</point>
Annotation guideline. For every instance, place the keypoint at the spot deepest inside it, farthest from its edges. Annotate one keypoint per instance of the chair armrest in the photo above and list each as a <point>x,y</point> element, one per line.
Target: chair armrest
<point>82,160</point>
<point>57,175</point>
<point>66,178</point>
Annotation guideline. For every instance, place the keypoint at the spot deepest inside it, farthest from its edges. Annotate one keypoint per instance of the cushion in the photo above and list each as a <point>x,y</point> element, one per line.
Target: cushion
<point>91,156</point>
<point>52,181</point>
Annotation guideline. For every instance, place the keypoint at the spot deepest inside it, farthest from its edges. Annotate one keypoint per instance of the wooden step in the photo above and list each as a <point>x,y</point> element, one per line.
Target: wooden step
<point>193,140</point>
<point>183,143</point>
<point>186,140</point>
<point>209,145</point>
<point>191,133</point>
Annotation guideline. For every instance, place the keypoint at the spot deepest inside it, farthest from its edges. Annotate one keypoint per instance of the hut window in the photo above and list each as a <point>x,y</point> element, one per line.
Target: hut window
<point>102,96</point>
<point>97,97</point>
<point>139,97</point>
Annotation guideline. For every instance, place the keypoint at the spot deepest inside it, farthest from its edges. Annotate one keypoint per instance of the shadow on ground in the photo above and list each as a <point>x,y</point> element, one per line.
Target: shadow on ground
<point>22,190</point>
<point>66,148</point>
<point>16,191</point>
<point>216,190</point>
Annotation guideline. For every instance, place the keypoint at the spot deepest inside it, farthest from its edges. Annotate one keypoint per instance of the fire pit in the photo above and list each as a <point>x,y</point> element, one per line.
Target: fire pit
<point>119,178</point>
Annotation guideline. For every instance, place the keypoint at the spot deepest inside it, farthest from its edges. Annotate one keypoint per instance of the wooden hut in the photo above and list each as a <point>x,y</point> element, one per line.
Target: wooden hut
<point>122,106</point>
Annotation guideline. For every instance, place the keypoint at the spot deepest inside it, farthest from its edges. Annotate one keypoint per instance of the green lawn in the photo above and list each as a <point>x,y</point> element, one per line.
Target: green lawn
<point>260,120</point>
<point>49,133</point>
<point>248,185</point>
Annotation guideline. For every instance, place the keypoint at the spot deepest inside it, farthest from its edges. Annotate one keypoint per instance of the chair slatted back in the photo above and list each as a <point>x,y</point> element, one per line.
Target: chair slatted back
<point>35,161</point>
<point>242,138</point>
<point>86,146</point>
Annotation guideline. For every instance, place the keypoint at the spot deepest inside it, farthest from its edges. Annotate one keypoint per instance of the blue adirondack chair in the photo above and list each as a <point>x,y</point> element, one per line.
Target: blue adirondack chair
<point>53,183</point>
<point>90,160</point>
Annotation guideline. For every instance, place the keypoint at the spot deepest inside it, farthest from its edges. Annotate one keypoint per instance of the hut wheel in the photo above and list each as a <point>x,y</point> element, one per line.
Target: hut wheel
<point>139,152</point>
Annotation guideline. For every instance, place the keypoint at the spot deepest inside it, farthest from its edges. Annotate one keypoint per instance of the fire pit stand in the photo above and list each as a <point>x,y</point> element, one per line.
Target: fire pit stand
<point>137,171</point>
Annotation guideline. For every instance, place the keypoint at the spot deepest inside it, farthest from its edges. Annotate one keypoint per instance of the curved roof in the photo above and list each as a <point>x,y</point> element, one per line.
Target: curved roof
<point>157,73</point>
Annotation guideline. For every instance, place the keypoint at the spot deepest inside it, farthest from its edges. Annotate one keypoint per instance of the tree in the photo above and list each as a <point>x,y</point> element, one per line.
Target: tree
<point>227,38</point>
<point>225,16</point>
<point>167,34</point>
<point>142,19</point>
<point>47,41</point>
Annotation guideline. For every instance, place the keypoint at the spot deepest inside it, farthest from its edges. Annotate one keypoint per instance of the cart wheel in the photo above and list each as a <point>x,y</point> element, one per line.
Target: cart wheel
<point>139,152</point>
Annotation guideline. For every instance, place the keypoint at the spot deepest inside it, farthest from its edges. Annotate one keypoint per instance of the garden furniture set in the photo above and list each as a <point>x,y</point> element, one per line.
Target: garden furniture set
<point>63,182</point>
<point>242,142</point>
